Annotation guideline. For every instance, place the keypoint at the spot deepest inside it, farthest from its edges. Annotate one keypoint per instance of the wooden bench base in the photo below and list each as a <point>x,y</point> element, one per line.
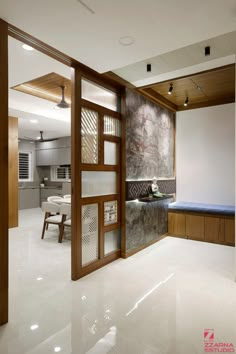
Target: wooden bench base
<point>202,227</point>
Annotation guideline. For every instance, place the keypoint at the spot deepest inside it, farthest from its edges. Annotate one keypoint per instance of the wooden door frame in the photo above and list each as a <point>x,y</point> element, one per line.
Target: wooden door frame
<point>4,172</point>
<point>77,70</point>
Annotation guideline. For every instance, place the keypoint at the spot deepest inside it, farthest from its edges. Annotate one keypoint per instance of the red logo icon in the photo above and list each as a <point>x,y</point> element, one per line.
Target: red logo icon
<point>208,335</point>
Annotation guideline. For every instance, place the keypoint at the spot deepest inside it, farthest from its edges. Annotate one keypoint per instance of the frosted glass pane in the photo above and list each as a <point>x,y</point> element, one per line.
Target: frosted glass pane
<point>89,136</point>
<point>112,241</point>
<point>110,153</point>
<point>112,126</point>
<point>99,95</point>
<point>95,183</point>
<point>89,233</point>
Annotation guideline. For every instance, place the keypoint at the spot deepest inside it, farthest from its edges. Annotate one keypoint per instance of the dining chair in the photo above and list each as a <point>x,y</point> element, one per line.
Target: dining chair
<point>55,199</point>
<point>67,196</point>
<point>65,211</point>
<point>52,216</point>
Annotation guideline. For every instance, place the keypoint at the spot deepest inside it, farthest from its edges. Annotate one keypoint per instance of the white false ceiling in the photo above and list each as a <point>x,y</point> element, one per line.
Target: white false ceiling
<point>92,37</point>
<point>183,61</point>
<point>25,66</point>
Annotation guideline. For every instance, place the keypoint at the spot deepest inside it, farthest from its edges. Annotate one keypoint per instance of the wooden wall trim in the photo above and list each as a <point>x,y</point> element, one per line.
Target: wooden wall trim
<point>101,79</point>
<point>76,172</point>
<point>4,172</point>
<point>123,172</point>
<point>157,98</point>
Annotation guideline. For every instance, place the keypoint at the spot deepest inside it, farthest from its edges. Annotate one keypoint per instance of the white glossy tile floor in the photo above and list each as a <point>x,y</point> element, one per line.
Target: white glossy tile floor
<point>157,302</point>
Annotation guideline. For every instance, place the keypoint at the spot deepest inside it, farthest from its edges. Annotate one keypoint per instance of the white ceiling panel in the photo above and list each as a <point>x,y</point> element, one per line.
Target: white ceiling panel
<point>157,26</point>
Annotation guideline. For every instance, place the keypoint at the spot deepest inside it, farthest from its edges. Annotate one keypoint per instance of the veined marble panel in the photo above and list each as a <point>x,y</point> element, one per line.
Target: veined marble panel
<point>149,139</point>
<point>145,222</point>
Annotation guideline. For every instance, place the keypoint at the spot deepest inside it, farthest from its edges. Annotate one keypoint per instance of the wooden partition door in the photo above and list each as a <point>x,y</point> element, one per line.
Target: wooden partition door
<point>96,161</point>
<point>4,172</point>
<point>13,171</point>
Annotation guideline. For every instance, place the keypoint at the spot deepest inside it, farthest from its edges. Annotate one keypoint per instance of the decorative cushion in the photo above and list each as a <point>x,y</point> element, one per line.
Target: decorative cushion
<point>204,208</point>
<point>55,219</point>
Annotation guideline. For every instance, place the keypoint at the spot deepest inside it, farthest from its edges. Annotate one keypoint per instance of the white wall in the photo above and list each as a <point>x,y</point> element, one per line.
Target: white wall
<point>205,155</point>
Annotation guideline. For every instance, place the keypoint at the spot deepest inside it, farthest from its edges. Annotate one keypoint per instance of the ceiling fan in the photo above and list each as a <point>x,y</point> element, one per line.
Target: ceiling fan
<point>40,139</point>
<point>63,103</point>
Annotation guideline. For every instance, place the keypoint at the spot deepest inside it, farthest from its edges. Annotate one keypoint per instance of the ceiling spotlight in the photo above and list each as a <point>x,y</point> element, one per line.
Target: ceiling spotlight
<point>27,47</point>
<point>170,89</point>
<point>186,102</point>
<point>33,121</point>
<point>63,103</point>
<point>149,67</point>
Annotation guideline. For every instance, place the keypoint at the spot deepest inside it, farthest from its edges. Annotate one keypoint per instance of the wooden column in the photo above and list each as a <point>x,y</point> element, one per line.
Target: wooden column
<point>13,171</point>
<point>4,172</point>
<point>123,174</point>
<point>76,173</point>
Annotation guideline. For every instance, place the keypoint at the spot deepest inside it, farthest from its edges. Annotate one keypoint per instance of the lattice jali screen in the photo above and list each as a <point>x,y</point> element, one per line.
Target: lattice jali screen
<point>89,233</point>
<point>112,126</point>
<point>89,136</point>
<point>110,212</point>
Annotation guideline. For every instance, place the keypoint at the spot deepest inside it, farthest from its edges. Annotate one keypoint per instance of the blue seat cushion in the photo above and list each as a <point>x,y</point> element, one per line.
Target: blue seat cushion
<point>204,208</point>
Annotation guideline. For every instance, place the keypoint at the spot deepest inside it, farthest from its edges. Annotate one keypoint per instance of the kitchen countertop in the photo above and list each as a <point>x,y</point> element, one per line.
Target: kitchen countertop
<point>39,187</point>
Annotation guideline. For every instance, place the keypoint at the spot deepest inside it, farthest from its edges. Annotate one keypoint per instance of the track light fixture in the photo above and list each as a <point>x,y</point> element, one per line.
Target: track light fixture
<point>149,68</point>
<point>170,89</point>
<point>186,102</point>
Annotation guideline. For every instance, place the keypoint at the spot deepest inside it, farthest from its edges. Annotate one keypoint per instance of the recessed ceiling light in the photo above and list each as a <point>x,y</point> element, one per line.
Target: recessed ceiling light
<point>34,121</point>
<point>126,40</point>
<point>34,327</point>
<point>170,89</point>
<point>186,102</point>
<point>39,278</point>
<point>38,138</point>
<point>57,349</point>
<point>27,47</point>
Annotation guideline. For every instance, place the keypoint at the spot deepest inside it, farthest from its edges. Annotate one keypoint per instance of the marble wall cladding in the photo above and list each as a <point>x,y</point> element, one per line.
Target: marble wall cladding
<point>149,139</point>
<point>145,222</point>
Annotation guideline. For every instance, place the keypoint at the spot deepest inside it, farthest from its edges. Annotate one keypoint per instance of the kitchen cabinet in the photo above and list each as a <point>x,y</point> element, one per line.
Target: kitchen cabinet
<point>29,198</point>
<point>53,157</point>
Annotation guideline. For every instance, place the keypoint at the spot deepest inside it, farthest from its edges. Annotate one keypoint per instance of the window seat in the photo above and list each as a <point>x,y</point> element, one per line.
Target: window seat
<point>203,208</point>
<point>202,222</point>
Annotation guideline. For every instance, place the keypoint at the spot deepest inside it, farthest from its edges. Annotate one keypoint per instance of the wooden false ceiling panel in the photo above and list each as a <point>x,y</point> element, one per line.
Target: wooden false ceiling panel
<point>203,89</point>
<point>47,87</point>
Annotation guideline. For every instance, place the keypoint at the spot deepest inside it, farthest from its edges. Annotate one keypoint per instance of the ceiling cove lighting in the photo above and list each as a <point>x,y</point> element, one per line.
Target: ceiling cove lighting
<point>27,47</point>
<point>186,102</point>
<point>170,89</point>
